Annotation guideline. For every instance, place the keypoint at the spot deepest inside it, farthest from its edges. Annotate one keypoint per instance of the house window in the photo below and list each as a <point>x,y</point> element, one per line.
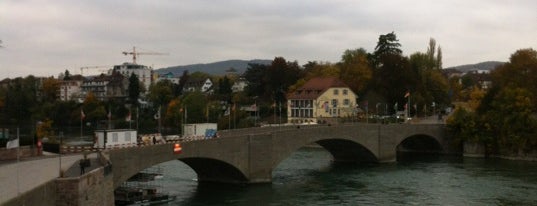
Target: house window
<point>345,92</point>
<point>334,102</point>
<point>346,102</point>
<point>336,92</point>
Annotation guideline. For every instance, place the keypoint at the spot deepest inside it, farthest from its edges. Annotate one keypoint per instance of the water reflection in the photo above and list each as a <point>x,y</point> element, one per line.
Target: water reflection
<point>309,177</point>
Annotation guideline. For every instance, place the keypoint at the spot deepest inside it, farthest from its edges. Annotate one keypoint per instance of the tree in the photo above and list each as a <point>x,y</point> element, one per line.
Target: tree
<point>321,69</point>
<point>388,44</point>
<point>505,120</point>
<point>44,129</point>
<point>50,89</point>
<point>393,77</point>
<point>355,70</point>
<point>520,71</point>
<point>178,89</point>
<point>134,89</point>
<point>173,115</point>
<point>66,75</point>
<point>20,99</point>
<point>161,93</point>
<point>195,105</point>
<point>224,88</point>
<point>93,108</point>
<point>254,75</point>
<point>280,75</point>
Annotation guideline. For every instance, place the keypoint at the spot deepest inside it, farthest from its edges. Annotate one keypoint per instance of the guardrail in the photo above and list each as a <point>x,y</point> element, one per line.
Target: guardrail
<point>166,140</point>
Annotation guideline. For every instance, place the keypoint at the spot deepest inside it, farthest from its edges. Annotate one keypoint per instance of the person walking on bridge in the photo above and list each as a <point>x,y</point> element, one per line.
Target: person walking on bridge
<point>82,164</point>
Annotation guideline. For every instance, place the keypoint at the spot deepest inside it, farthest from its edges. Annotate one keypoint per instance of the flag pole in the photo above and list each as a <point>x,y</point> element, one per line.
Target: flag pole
<point>159,122</point>
<point>137,117</point>
<point>408,107</point>
<point>81,122</point>
<point>18,161</point>
<point>109,118</point>
<point>130,118</point>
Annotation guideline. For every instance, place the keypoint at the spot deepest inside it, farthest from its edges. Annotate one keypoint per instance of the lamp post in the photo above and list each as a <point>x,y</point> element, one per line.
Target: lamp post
<point>60,154</point>
<point>255,111</point>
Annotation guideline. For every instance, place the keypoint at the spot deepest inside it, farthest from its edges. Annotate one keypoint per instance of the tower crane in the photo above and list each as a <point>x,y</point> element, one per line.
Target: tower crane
<point>134,53</point>
<point>93,67</point>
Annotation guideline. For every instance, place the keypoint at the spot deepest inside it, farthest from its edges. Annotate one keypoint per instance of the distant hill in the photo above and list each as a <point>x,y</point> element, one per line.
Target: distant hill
<point>215,68</point>
<point>489,65</point>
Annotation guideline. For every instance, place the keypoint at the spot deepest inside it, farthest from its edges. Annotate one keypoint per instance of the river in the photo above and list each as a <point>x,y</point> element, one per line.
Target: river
<point>308,177</point>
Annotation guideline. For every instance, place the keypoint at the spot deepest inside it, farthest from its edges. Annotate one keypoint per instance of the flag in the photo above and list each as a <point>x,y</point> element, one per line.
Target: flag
<point>14,143</point>
<point>406,106</point>
<point>128,118</point>
<point>273,104</point>
<point>157,115</point>
<point>186,114</point>
<point>82,115</point>
<point>416,107</point>
<point>407,94</point>
<point>395,106</point>
<point>366,105</point>
<point>254,106</point>
<point>109,114</point>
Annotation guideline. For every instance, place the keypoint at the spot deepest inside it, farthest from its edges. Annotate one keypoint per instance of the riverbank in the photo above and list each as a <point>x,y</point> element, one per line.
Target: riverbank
<point>476,150</point>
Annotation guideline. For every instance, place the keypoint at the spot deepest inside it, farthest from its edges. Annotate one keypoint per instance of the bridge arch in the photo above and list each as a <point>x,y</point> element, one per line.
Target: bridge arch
<point>344,150</point>
<point>420,143</point>
<point>213,170</point>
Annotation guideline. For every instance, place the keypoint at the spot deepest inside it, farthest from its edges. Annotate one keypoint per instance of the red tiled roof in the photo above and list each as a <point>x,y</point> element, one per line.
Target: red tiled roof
<point>315,87</point>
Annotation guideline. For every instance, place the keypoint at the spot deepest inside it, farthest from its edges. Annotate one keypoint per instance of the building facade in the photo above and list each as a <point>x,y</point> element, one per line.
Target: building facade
<point>170,77</point>
<point>106,87</point>
<point>204,85</point>
<point>320,99</point>
<point>70,89</point>
<point>144,73</point>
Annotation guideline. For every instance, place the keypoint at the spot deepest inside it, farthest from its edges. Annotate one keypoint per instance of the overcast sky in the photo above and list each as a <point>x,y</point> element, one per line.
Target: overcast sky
<point>45,38</point>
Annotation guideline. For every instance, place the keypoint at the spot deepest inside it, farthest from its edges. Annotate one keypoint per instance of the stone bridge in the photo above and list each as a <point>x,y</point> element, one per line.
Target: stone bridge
<point>250,155</point>
<point>239,156</point>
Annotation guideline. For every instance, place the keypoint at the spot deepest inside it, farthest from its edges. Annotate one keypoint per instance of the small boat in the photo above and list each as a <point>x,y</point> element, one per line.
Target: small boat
<point>141,196</point>
<point>141,189</point>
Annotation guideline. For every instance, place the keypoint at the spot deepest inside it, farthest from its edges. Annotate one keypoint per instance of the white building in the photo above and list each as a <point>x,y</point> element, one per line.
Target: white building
<point>70,89</point>
<point>143,73</point>
<point>239,85</point>
<point>203,85</point>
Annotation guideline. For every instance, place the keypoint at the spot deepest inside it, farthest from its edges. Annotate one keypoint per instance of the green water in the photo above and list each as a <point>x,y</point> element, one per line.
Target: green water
<point>309,178</point>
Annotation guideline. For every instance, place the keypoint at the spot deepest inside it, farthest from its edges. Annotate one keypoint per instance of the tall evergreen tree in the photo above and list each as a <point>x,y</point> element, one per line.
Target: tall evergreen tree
<point>134,89</point>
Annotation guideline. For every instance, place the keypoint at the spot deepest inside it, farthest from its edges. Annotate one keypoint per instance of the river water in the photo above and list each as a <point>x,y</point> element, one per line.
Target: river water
<point>308,177</point>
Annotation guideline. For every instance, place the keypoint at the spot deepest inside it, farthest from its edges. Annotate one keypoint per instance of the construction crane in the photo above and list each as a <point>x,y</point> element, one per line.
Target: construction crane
<point>134,53</point>
<point>93,67</point>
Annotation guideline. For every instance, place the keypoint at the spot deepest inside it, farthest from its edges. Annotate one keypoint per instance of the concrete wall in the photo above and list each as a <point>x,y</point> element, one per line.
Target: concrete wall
<point>93,188</point>
<point>43,195</point>
<point>25,151</point>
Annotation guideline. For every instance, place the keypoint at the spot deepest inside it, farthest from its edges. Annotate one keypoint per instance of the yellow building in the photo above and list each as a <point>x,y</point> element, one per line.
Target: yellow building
<point>320,99</point>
